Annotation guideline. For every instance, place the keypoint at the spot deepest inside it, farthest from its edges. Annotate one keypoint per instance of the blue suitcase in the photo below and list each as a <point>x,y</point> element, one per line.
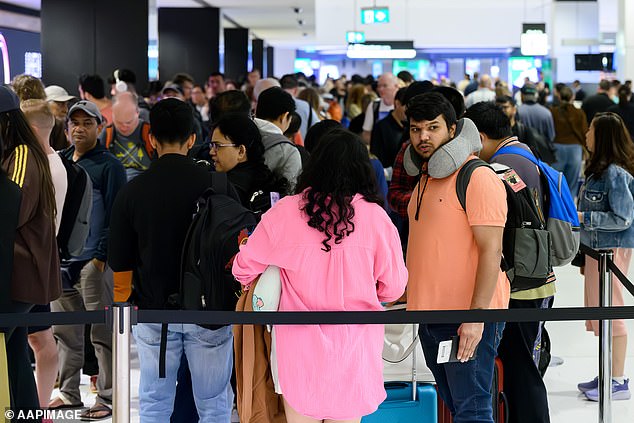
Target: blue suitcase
<point>407,402</point>
<point>401,407</point>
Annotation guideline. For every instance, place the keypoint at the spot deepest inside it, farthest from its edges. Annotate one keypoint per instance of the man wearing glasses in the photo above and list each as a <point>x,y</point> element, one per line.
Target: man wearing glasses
<point>87,279</point>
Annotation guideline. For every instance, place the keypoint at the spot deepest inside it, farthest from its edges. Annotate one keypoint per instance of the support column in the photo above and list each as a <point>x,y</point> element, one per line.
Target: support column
<point>625,41</point>
<point>188,40</point>
<point>236,53</point>
<point>269,62</point>
<point>257,55</point>
<point>86,37</point>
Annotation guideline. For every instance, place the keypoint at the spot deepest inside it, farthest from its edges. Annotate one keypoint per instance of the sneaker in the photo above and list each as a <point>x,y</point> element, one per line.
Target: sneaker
<point>589,386</point>
<point>620,391</point>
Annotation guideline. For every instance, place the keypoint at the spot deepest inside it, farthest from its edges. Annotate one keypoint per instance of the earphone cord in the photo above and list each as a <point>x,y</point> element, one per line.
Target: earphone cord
<point>419,196</point>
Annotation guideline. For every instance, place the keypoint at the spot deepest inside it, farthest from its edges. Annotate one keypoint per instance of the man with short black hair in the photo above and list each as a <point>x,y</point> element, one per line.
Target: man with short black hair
<point>164,197</point>
<point>443,234</point>
<point>273,116</point>
<point>215,84</point>
<point>290,84</point>
<point>186,83</point>
<point>92,88</point>
<point>521,344</point>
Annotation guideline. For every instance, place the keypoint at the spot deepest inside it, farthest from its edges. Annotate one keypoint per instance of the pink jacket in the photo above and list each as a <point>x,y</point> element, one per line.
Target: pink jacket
<point>328,371</point>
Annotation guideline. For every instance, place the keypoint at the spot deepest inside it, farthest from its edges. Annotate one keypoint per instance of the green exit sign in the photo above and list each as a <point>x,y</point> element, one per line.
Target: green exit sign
<point>375,15</point>
<point>355,37</point>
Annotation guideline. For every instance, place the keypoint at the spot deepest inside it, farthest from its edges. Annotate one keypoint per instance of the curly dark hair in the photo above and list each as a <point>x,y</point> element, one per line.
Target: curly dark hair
<point>338,169</point>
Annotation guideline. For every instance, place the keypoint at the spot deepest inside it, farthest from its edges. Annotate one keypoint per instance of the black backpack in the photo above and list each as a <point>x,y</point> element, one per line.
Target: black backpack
<point>526,245</point>
<point>218,227</point>
<point>220,224</point>
<point>74,225</point>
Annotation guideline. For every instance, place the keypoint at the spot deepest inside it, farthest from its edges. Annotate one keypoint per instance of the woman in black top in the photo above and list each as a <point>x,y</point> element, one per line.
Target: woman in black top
<point>237,149</point>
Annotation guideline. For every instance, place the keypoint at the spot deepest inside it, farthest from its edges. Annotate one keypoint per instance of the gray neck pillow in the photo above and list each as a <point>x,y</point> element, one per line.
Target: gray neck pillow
<point>450,156</point>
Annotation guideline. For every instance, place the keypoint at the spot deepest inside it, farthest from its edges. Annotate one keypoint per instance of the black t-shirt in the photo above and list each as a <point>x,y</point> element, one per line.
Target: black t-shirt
<point>626,111</point>
<point>386,140</point>
<point>149,221</point>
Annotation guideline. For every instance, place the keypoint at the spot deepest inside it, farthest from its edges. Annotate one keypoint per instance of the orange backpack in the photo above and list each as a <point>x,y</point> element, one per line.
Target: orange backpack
<point>145,136</point>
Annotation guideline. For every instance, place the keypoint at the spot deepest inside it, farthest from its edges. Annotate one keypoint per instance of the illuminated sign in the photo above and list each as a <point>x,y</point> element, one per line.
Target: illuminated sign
<point>534,40</point>
<point>375,15</point>
<point>379,51</point>
<point>353,37</point>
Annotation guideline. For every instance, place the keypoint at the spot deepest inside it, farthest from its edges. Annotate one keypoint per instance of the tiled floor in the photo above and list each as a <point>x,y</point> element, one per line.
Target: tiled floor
<point>578,348</point>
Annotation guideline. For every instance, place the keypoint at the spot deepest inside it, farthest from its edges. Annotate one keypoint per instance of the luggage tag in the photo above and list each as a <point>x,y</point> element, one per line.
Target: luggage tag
<point>448,351</point>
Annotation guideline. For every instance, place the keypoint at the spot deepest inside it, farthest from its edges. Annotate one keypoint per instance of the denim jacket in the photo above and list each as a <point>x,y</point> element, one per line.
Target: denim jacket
<point>607,203</point>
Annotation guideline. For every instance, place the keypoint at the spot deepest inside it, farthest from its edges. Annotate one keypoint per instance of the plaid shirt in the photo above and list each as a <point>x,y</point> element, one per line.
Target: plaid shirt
<point>401,186</point>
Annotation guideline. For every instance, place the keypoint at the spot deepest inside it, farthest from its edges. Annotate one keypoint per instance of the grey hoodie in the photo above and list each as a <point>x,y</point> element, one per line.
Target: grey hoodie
<point>280,154</point>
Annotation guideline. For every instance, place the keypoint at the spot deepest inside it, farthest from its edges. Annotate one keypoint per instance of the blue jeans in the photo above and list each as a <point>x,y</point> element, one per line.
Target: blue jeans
<point>464,387</point>
<point>210,357</point>
<point>568,162</point>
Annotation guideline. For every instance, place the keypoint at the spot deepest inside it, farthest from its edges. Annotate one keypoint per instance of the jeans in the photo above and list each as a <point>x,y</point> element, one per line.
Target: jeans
<point>568,162</point>
<point>464,387</point>
<point>210,358</point>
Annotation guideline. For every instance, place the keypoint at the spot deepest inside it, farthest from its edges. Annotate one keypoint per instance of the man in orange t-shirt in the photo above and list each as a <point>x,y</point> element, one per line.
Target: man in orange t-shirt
<point>454,258</point>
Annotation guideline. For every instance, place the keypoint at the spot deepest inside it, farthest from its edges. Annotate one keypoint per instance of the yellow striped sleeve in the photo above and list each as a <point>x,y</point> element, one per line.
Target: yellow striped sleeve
<point>19,166</point>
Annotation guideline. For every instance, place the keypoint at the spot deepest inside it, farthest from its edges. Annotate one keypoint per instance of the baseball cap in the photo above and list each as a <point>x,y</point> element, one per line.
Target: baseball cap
<point>8,100</point>
<point>88,107</point>
<point>172,87</point>
<point>57,93</point>
<point>529,89</point>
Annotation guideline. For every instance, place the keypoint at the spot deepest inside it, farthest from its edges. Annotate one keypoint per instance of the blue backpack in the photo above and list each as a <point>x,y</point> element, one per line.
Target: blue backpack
<point>562,221</point>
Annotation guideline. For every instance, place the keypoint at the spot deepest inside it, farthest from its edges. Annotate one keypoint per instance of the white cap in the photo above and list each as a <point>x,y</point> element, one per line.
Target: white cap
<point>57,93</point>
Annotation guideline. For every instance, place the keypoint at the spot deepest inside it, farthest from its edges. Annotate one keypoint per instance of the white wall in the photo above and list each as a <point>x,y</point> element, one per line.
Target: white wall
<point>283,61</point>
<point>432,23</point>
<point>573,21</point>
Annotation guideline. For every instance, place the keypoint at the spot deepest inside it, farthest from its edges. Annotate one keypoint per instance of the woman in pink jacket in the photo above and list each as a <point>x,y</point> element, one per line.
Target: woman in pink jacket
<point>338,251</point>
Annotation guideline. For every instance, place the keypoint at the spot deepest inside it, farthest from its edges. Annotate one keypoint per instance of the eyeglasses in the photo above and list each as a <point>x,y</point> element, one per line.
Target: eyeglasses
<point>216,145</point>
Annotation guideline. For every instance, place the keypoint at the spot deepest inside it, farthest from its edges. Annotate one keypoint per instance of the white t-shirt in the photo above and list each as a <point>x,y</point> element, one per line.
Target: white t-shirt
<point>60,183</point>
<point>384,110</point>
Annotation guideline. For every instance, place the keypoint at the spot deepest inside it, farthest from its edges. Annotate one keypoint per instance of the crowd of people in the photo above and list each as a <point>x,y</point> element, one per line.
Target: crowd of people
<point>365,212</point>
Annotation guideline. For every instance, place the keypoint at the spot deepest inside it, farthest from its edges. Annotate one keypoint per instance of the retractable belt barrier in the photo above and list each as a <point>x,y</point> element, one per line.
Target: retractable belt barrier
<point>336,317</point>
<point>120,317</point>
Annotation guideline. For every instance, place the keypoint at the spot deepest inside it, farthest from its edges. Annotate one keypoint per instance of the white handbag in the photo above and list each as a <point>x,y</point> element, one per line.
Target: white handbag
<point>267,292</point>
<point>403,358</point>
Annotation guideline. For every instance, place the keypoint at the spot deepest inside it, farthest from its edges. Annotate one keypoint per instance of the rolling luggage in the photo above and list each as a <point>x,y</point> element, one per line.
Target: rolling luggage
<point>498,399</point>
<point>406,401</point>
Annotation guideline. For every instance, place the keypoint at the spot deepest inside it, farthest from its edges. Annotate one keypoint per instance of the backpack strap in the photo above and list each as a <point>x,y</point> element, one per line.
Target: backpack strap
<point>145,136</point>
<point>511,149</point>
<point>162,351</point>
<point>109,136</point>
<point>219,182</point>
<point>279,143</point>
<point>375,110</point>
<point>464,176</point>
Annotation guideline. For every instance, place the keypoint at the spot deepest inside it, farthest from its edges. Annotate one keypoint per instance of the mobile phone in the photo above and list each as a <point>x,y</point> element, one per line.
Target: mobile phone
<point>448,351</point>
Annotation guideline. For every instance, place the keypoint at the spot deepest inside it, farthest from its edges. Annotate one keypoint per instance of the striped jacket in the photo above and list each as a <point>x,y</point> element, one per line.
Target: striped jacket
<point>36,274</point>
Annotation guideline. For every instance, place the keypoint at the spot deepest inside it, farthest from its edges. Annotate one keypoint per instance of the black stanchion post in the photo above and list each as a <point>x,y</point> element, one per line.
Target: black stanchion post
<point>605,339</point>
<point>121,324</point>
